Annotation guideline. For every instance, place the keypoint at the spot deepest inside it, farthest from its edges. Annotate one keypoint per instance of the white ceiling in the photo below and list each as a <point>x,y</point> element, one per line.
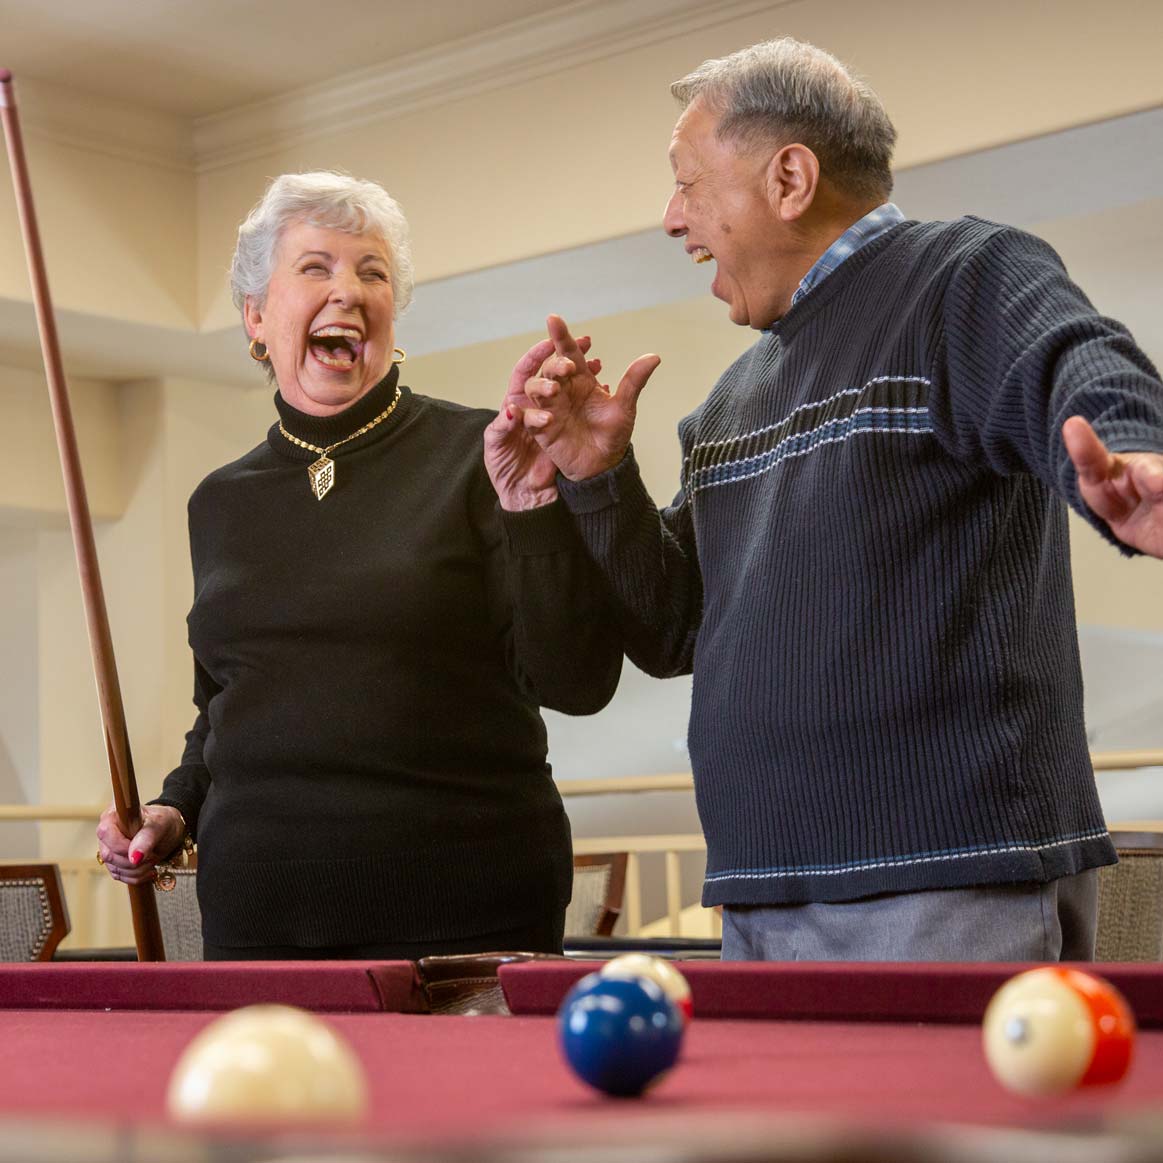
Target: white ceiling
<point>194,58</point>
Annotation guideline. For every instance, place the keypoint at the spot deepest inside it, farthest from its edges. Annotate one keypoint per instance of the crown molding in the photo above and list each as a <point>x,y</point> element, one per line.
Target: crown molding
<point>112,128</point>
<point>518,51</point>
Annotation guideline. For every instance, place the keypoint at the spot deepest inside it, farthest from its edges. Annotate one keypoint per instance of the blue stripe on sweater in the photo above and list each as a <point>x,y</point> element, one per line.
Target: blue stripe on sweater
<point>910,421</point>
<point>939,855</point>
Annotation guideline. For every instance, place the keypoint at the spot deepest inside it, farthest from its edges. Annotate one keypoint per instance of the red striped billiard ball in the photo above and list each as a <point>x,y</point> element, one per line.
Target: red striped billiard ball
<point>1050,1030</point>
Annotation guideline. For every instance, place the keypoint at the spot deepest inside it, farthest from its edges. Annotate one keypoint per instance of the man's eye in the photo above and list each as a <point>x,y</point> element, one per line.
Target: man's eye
<point>381,275</point>
<point>314,268</point>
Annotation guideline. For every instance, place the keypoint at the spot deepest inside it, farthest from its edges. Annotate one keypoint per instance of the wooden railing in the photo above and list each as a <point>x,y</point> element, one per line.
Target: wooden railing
<point>99,917</point>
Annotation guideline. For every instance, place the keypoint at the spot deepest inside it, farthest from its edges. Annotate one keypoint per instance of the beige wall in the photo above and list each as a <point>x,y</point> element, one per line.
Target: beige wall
<point>30,484</point>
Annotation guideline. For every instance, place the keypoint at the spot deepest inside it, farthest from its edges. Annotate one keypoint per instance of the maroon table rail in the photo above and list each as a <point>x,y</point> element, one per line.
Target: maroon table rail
<point>886,992</point>
<point>324,986</point>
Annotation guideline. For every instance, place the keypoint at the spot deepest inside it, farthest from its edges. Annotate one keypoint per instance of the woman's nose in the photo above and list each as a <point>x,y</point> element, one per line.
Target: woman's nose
<point>346,287</point>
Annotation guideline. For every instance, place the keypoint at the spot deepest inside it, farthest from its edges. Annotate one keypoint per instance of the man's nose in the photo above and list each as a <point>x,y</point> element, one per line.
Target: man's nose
<point>672,218</point>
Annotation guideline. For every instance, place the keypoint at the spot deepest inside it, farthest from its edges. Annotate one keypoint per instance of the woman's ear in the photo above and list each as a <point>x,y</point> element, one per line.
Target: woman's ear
<point>252,317</point>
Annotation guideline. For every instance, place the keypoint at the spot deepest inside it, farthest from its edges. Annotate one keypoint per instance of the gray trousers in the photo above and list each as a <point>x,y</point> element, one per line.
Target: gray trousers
<point>1009,922</point>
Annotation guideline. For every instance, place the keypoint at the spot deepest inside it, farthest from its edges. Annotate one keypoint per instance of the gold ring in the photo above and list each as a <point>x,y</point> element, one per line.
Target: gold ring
<point>100,858</point>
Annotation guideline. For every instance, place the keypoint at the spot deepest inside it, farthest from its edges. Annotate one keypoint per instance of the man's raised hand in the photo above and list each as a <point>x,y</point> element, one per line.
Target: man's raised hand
<point>1124,489</point>
<point>583,426</point>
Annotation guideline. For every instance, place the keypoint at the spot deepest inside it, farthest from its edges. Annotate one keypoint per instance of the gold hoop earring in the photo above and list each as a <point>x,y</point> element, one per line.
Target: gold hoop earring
<point>265,357</point>
<point>403,355</point>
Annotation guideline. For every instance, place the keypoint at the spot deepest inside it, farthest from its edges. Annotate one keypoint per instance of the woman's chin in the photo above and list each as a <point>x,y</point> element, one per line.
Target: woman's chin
<point>326,390</point>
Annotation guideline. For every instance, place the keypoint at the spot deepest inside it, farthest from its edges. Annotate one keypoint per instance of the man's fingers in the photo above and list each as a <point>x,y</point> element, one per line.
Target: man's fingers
<point>564,343</point>
<point>1091,460</point>
<point>535,419</point>
<point>1148,473</point>
<point>538,390</point>
<point>635,378</point>
<point>528,364</point>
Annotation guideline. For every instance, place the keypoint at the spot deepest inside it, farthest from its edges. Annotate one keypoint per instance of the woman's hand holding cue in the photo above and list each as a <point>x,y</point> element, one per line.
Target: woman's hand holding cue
<point>134,861</point>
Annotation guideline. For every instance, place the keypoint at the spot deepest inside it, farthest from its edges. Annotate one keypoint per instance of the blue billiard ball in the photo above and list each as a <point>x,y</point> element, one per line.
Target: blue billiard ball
<point>619,1036</point>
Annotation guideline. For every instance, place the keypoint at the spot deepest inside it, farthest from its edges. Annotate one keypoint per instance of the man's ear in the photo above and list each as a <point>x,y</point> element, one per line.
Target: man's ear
<point>793,177</point>
<point>252,317</point>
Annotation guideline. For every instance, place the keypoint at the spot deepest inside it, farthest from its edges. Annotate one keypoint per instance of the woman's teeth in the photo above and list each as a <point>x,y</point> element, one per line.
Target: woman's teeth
<point>336,346</point>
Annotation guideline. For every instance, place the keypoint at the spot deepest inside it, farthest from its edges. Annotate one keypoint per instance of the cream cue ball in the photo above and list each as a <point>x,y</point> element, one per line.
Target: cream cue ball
<point>1047,1031</point>
<point>662,972</point>
<point>268,1063</point>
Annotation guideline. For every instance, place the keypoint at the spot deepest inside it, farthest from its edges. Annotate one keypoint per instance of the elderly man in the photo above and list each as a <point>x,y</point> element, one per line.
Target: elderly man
<point>866,567</point>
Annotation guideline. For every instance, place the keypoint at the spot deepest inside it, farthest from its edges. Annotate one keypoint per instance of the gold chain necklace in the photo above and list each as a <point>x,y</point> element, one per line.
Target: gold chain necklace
<point>322,472</point>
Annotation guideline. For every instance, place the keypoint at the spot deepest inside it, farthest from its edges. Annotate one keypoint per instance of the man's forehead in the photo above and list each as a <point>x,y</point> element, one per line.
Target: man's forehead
<point>697,121</point>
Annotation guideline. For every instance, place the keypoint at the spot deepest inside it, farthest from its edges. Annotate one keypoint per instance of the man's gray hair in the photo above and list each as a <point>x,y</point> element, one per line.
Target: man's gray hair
<point>785,90</point>
<point>328,199</point>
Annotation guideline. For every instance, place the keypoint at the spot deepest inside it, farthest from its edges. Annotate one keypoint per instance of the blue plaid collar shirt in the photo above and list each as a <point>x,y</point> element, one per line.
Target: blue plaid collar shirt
<point>859,234</point>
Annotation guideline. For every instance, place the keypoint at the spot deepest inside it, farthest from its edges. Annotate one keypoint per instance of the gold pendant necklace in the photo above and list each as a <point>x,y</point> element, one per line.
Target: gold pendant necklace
<point>322,471</point>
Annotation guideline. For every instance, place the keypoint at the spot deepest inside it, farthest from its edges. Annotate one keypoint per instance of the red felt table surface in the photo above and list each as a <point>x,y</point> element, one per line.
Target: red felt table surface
<point>875,1050</point>
<point>456,1078</point>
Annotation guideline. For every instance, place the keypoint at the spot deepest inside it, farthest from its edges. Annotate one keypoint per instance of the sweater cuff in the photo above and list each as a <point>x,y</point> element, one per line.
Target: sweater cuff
<point>538,532</point>
<point>600,492</point>
<point>190,805</point>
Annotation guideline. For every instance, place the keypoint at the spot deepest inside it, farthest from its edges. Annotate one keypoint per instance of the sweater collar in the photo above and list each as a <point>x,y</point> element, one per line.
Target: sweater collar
<point>326,430</point>
<point>809,305</point>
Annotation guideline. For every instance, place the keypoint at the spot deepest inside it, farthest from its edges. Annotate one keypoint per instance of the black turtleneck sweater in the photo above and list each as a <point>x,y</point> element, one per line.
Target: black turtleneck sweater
<point>368,763</point>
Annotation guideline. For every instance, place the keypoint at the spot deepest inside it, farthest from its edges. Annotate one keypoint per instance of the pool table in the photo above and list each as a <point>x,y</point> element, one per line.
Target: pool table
<point>781,1062</point>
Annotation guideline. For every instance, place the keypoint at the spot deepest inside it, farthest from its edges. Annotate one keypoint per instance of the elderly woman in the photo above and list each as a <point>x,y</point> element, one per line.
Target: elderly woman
<point>372,635</point>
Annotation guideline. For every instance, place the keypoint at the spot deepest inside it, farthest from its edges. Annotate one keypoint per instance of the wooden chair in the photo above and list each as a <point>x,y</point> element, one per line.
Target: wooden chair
<point>179,915</point>
<point>34,918</point>
<point>599,884</point>
<point>1130,900</point>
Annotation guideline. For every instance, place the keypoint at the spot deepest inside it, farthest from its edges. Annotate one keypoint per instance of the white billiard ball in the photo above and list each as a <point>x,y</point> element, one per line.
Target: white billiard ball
<point>268,1064</point>
<point>662,972</point>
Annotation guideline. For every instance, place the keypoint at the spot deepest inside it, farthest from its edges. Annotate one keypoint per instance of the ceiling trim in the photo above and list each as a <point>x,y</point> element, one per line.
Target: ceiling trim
<point>518,51</point>
<point>112,128</point>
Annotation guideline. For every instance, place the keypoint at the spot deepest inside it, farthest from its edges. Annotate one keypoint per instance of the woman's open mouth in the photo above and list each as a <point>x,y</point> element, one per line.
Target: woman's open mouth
<point>337,347</point>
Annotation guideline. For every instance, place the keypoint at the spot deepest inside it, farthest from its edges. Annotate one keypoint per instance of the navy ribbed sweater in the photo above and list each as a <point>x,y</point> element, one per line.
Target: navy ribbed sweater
<point>867,569</point>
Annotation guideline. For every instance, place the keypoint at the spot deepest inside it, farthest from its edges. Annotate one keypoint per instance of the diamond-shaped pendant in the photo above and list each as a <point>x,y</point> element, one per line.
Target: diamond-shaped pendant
<point>322,474</point>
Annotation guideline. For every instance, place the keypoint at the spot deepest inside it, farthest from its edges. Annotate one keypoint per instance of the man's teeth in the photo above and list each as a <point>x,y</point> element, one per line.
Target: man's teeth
<point>701,254</point>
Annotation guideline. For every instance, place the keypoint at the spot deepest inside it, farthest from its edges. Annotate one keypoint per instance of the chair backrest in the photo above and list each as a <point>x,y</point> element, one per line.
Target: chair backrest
<point>179,915</point>
<point>599,884</point>
<point>1130,900</point>
<point>34,918</point>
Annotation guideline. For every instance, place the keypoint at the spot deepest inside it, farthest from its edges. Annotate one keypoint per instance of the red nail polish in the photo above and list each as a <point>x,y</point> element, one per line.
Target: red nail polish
<point>135,858</point>
<point>508,413</point>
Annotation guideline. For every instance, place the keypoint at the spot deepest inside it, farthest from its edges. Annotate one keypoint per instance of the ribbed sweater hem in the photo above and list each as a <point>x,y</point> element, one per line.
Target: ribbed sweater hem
<point>1015,863</point>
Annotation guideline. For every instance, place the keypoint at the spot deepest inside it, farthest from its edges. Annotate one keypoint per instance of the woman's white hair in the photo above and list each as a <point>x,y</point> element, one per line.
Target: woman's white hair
<point>328,199</point>
<point>787,90</point>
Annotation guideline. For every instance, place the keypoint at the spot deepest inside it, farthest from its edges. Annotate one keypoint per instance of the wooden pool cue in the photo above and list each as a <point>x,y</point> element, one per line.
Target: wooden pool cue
<point>146,928</point>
